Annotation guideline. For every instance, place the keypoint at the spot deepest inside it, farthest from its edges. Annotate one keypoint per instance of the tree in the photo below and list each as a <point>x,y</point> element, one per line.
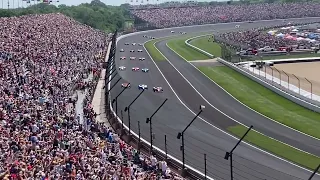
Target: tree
<point>95,14</point>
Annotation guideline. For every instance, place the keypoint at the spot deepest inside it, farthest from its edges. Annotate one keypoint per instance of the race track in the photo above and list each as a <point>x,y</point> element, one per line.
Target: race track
<point>201,137</point>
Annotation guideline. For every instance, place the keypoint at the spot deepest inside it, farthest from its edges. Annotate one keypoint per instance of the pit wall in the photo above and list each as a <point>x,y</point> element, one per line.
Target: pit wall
<point>290,95</point>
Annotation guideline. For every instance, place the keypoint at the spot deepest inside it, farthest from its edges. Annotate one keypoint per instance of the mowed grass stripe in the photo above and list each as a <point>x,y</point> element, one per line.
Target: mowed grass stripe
<point>153,51</point>
<point>179,46</point>
<point>265,101</point>
<point>205,43</point>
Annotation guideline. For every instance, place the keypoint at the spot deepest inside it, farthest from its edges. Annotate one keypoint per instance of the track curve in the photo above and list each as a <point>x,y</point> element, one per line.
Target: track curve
<point>250,163</point>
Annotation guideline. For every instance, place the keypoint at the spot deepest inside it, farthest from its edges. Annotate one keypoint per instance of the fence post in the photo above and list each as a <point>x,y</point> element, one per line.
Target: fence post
<point>298,82</point>
<point>288,79</point>
<point>310,87</point>
<point>279,75</point>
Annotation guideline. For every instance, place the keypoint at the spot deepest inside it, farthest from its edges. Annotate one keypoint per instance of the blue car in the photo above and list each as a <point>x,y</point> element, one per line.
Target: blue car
<point>145,70</point>
<point>142,86</point>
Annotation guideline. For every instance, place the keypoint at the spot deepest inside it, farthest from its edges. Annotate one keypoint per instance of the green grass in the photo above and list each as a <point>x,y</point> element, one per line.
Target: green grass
<point>179,46</point>
<point>275,147</point>
<point>209,46</point>
<point>265,101</point>
<point>154,52</point>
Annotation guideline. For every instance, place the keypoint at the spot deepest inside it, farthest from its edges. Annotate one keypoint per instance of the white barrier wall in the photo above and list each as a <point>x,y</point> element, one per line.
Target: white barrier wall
<point>196,48</point>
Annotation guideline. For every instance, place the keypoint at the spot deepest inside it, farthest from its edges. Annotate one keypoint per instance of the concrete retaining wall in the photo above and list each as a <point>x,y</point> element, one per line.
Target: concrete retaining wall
<point>196,48</point>
<point>301,100</point>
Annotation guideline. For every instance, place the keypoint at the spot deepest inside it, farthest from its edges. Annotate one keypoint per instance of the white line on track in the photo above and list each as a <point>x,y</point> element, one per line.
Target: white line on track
<point>240,101</point>
<point>252,146</point>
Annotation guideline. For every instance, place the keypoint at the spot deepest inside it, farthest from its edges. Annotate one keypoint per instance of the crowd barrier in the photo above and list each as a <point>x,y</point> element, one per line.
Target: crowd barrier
<point>134,139</point>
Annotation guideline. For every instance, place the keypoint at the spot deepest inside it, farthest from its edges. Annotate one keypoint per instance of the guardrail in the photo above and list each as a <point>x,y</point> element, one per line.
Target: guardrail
<point>292,96</point>
<point>196,48</point>
<point>133,139</point>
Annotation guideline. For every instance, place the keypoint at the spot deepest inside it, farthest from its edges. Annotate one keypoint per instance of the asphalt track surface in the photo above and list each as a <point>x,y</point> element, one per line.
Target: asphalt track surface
<point>249,162</point>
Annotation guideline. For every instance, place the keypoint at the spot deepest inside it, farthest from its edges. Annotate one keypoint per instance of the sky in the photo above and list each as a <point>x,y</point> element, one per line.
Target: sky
<point>15,3</point>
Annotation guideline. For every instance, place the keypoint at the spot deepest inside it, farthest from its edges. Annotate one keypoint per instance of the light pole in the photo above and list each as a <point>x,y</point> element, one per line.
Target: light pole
<point>113,85</point>
<point>149,120</point>
<point>229,154</point>
<point>314,172</point>
<point>116,99</point>
<point>128,109</point>
<point>181,136</point>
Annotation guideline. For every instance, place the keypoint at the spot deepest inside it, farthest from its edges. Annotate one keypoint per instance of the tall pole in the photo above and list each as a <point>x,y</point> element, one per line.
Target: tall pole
<point>114,85</point>
<point>310,87</point>
<point>149,120</point>
<point>205,166</point>
<point>165,146</point>
<point>229,154</point>
<point>116,100</point>
<point>139,133</point>
<point>298,82</point>
<point>128,109</point>
<point>314,172</point>
<point>181,135</point>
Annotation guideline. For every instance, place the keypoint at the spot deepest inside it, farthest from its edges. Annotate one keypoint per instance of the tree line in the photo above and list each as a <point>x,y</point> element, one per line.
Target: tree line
<point>95,14</point>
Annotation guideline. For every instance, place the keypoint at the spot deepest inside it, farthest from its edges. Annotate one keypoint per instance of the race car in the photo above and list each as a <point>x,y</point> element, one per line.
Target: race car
<point>145,70</point>
<point>133,44</point>
<point>140,44</point>
<point>122,68</point>
<point>183,33</point>
<point>135,69</point>
<point>132,58</point>
<point>144,36</point>
<point>142,86</point>
<point>172,31</point>
<point>121,50</point>
<point>139,50</point>
<point>126,43</point>
<point>131,50</point>
<point>126,85</point>
<point>122,58</point>
<point>152,37</point>
<point>237,26</point>
<point>142,59</point>
<point>157,89</point>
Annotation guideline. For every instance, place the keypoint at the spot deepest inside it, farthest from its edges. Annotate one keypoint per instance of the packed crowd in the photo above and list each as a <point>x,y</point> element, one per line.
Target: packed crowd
<point>256,38</point>
<point>168,17</point>
<point>48,64</point>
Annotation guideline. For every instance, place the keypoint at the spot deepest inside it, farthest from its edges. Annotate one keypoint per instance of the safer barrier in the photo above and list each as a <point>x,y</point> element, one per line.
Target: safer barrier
<point>196,48</point>
<point>292,96</point>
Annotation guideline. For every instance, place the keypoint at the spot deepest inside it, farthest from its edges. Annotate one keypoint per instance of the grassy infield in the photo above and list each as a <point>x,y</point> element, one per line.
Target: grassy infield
<point>253,95</point>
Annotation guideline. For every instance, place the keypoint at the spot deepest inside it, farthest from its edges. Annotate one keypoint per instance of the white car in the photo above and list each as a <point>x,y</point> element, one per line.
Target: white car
<point>135,69</point>
<point>237,26</point>
<point>172,31</point>
<point>122,68</point>
<point>140,44</point>
<point>183,33</point>
<point>126,43</point>
<point>121,50</point>
<point>126,85</point>
<point>122,58</point>
<point>142,86</point>
<point>142,59</point>
<point>139,50</point>
<point>133,44</point>
<point>145,70</point>
<point>132,58</point>
<point>266,49</point>
<point>132,50</point>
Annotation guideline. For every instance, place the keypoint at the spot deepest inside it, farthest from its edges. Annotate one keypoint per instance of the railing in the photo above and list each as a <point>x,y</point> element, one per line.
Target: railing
<point>196,48</point>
